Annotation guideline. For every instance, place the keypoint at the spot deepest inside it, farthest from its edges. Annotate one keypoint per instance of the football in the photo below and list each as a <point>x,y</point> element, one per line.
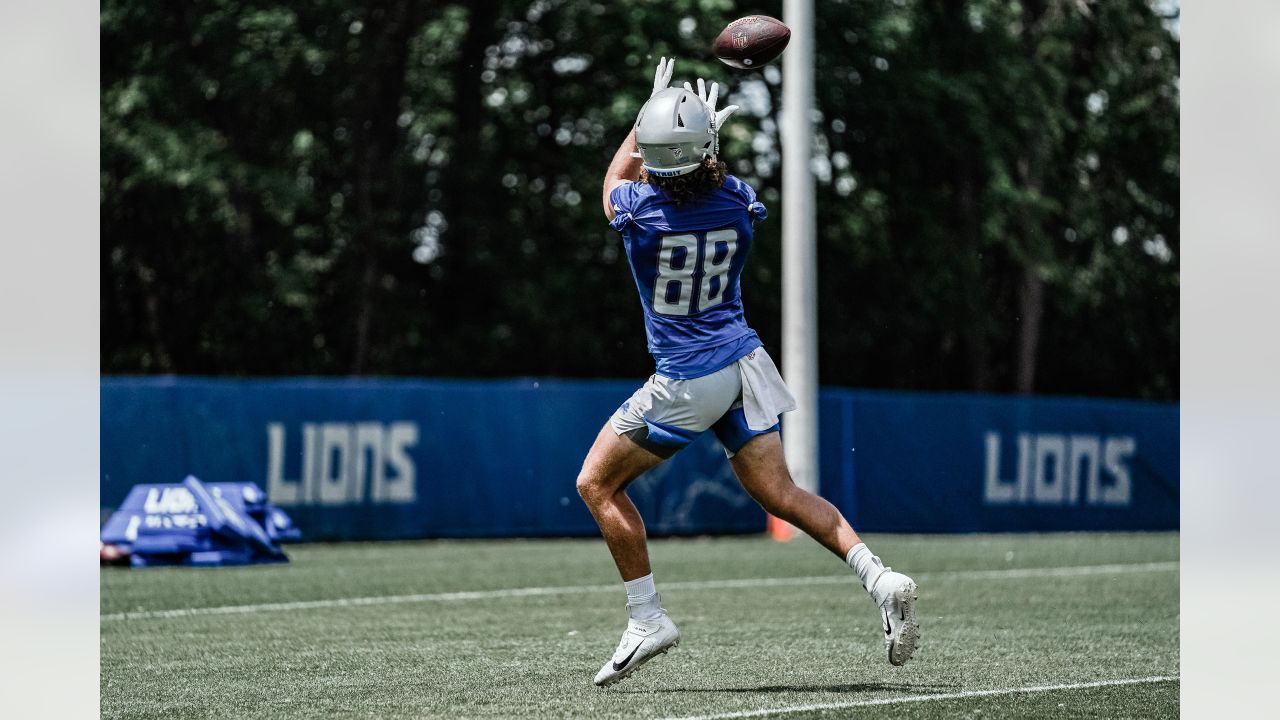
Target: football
<point>751,42</point>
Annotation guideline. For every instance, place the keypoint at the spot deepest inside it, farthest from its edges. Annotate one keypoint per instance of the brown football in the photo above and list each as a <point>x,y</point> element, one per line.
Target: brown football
<point>751,42</point>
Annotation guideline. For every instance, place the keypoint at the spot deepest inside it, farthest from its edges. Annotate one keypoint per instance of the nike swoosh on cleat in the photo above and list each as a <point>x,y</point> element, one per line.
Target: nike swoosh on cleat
<point>619,665</point>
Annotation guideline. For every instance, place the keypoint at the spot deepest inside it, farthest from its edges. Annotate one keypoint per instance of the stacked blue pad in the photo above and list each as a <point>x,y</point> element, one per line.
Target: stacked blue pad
<point>194,523</point>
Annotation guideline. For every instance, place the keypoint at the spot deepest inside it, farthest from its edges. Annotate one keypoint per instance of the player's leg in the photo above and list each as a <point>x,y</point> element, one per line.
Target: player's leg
<point>611,464</point>
<point>750,435</point>
<point>656,422</point>
<point>662,417</point>
<point>761,467</point>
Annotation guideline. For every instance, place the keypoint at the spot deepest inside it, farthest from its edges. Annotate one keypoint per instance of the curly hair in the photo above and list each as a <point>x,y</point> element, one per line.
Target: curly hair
<point>708,178</point>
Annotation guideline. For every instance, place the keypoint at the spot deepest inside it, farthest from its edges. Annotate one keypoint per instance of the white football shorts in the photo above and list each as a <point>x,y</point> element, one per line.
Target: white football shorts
<point>737,403</point>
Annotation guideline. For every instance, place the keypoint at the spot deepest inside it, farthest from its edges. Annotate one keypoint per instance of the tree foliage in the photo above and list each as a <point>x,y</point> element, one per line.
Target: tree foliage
<point>393,187</point>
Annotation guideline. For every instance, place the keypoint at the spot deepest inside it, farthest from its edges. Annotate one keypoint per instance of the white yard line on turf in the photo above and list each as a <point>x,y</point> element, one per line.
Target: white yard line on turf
<point>927,698</point>
<point>1009,574</point>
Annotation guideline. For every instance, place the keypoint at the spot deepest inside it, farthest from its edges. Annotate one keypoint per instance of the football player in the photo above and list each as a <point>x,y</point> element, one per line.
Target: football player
<point>687,228</point>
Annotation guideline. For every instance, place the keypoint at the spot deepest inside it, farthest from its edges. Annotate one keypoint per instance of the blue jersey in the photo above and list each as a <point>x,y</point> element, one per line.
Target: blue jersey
<point>686,260</point>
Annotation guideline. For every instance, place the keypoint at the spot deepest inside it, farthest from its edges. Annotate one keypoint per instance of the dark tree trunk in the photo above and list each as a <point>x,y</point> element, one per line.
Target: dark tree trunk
<point>1031,310</point>
<point>470,248</point>
<point>975,336</point>
<point>973,313</point>
<point>391,27</point>
<point>1031,167</point>
<point>151,306</point>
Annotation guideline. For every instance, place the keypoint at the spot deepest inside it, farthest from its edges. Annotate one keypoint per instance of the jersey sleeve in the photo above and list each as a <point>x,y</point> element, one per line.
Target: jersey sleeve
<point>755,208</point>
<point>623,198</point>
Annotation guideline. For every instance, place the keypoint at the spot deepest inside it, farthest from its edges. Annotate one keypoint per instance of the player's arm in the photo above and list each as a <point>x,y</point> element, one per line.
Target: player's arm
<point>623,168</point>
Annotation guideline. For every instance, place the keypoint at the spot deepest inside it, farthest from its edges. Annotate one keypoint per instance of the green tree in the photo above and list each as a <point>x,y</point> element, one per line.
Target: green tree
<point>390,187</point>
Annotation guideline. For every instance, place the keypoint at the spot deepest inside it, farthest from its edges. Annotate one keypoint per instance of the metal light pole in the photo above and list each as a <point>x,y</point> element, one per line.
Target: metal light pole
<point>799,253</point>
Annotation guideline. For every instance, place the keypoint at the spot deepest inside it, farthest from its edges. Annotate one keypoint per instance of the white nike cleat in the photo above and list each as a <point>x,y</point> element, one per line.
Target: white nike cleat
<point>895,593</point>
<point>642,641</point>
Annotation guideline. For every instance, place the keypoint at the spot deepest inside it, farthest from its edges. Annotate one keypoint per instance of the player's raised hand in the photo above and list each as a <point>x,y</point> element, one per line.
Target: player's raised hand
<point>662,76</point>
<point>710,98</point>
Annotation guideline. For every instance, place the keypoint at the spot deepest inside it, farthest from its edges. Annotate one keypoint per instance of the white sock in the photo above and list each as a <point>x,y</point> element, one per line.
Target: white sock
<point>867,566</point>
<point>642,598</point>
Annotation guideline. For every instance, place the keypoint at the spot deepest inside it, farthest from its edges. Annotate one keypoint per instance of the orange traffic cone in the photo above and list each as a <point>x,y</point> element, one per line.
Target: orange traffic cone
<point>779,529</point>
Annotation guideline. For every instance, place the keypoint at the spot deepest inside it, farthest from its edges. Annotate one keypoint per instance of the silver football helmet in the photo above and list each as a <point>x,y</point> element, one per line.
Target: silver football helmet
<point>675,131</point>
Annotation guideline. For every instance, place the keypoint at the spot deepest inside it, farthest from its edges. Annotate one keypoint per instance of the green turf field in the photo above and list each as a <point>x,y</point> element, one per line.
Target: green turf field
<point>518,629</point>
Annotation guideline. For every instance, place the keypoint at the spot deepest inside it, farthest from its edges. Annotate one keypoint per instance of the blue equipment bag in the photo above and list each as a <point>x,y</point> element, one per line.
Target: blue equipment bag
<point>197,524</point>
